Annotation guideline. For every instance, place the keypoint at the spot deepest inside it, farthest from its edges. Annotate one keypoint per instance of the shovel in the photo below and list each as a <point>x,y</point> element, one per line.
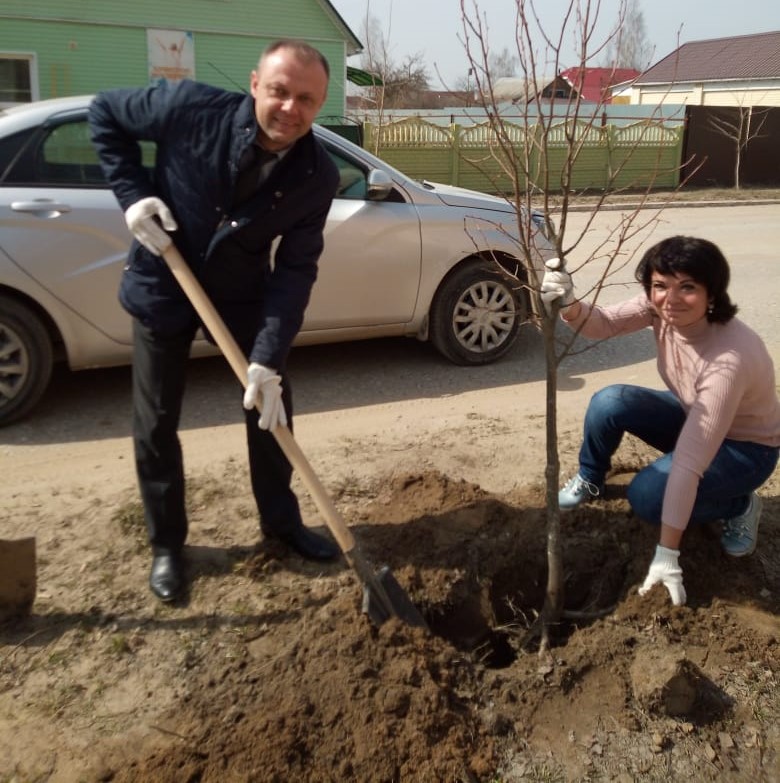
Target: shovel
<point>383,596</point>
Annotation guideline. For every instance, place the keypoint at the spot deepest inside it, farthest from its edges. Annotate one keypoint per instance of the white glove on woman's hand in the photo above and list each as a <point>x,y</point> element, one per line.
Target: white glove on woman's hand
<point>666,570</point>
<point>556,284</point>
<point>140,219</point>
<point>264,387</point>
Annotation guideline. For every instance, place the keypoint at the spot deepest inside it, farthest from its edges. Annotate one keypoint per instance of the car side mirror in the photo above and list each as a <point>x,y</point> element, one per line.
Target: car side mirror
<point>379,185</point>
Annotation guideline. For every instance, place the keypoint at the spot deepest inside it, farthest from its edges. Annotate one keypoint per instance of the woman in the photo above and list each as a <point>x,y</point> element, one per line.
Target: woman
<point>718,424</point>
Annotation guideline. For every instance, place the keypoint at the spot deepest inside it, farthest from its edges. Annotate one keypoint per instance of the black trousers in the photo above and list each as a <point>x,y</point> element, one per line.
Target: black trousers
<point>159,379</point>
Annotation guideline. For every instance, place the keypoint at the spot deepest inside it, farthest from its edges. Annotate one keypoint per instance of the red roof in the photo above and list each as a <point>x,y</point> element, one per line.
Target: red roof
<point>593,83</point>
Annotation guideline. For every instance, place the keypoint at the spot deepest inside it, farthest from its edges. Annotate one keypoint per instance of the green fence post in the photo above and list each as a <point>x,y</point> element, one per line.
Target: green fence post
<point>611,132</point>
<point>455,130</point>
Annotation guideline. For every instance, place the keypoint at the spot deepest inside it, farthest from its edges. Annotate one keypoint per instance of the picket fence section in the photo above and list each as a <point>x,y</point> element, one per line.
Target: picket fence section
<point>642,154</point>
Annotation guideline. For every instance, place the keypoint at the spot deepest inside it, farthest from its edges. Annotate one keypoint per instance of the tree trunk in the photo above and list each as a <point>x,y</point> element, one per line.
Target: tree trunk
<point>554,598</point>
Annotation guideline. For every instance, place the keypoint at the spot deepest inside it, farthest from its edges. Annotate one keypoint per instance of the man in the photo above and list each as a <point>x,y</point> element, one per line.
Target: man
<point>232,173</point>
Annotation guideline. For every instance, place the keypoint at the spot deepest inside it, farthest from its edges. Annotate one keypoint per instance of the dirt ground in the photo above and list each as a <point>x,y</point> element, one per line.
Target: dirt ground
<point>269,671</point>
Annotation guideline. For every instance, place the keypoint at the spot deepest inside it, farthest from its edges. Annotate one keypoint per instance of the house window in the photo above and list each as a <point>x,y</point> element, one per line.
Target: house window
<point>16,79</point>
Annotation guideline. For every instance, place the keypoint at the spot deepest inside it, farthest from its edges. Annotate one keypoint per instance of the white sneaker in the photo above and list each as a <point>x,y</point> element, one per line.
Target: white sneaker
<point>741,533</point>
<point>576,492</point>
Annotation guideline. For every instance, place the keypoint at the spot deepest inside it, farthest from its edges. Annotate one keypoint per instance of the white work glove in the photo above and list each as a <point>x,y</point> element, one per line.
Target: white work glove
<point>556,284</point>
<point>140,219</point>
<point>666,570</point>
<point>264,387</point>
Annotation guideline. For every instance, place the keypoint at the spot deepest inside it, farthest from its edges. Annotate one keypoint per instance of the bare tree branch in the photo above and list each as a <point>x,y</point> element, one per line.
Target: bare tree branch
<point>540,161</point>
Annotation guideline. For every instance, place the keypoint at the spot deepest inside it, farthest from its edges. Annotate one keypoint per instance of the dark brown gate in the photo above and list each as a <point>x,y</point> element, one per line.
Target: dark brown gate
<point>709,156</point>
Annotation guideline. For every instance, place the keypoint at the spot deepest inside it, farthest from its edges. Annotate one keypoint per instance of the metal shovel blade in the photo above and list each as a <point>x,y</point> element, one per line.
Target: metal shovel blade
<point>400,605</point>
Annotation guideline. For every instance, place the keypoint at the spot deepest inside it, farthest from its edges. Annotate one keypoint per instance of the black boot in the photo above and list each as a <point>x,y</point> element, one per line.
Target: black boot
<point>167,576</point>
<point>305,542</point>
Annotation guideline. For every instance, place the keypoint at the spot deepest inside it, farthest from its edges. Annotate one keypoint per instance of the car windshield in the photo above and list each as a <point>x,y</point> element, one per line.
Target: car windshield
<point>369,157</point>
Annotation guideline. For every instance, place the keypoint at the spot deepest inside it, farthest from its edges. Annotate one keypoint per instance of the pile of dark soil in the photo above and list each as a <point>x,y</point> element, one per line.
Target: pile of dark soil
<point>314,692</point>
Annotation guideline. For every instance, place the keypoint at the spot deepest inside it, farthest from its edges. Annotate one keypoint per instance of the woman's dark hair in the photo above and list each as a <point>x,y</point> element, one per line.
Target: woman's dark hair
<point>699,258</point>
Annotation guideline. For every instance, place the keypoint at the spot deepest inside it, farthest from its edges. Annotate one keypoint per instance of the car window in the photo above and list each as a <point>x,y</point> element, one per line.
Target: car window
<point>10,147</point>
<point>352,178</point>
<point>63,155</point>
<point>67,157</point>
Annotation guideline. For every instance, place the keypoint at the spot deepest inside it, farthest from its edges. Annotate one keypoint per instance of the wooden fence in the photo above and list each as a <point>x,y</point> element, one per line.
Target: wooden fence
<point>639,155</point>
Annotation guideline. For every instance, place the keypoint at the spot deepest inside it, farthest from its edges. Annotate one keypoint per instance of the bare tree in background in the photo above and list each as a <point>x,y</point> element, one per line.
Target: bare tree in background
<point>502,64</point>
<point>542,176</point>
<point>403,83</point>
<point>406,83</point>
<point>740,125</point>
<point>629,48</point>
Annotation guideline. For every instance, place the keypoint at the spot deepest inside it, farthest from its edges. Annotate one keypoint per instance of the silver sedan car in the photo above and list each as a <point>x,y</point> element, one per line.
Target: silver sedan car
<point>401,258</point>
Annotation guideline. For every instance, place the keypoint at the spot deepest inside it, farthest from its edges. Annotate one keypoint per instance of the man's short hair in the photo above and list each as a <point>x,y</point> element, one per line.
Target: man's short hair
<point>306,53</point>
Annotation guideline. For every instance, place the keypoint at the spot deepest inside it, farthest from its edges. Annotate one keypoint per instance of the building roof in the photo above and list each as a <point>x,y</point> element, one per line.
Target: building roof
<point>354,46</point>
<point>516,88</point>
<point>593,84</point>
<point>741,57</point>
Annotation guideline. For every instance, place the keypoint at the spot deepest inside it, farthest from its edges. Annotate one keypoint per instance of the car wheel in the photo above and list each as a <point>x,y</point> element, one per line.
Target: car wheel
<point>476,314</point>
<point>26,360</point>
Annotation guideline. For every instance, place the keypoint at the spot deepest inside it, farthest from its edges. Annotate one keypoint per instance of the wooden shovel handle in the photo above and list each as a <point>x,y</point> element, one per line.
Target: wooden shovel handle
<point>227,344</point>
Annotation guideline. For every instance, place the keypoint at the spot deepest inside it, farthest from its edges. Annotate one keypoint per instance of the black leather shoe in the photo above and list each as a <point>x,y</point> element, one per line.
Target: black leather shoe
<point>167,577</point>
<point>306,543</point>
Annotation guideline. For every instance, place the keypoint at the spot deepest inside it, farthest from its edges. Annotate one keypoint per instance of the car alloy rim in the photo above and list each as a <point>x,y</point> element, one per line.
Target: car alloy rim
<point>14,364</point>
<point>483,316</point>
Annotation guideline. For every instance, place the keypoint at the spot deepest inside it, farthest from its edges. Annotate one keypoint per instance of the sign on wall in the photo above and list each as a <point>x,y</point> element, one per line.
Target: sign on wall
<point>171,55</point>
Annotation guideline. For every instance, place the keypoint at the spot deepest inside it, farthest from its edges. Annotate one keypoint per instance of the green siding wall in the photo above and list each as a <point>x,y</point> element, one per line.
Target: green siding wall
<point>86,46</point>
<point>272,18</point>
<point>76,58</point>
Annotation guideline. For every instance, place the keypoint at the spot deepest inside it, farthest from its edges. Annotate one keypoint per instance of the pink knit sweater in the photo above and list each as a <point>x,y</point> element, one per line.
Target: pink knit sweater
<point>721,373</point>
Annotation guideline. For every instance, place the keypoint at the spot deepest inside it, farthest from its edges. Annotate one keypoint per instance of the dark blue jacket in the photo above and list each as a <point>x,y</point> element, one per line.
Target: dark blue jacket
<point>200,133</point>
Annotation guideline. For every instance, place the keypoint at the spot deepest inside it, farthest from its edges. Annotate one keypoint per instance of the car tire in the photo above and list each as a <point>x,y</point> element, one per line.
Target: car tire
<point>476,314</point>
<point>26,359</point>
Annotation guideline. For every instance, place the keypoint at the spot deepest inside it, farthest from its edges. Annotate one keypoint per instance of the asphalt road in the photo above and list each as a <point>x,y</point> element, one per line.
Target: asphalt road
<point>749,236</point>
<point>95,404</point>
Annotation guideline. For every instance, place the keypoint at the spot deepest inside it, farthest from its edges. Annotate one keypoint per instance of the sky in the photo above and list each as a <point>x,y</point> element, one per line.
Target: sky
<point>432,27</point>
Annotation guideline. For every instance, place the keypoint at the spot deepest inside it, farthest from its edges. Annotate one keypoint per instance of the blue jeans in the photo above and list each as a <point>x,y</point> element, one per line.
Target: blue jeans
<point>656,417</point>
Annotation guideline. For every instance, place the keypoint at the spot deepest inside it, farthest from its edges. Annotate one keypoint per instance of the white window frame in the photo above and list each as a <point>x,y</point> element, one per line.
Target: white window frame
<point>32,60</point>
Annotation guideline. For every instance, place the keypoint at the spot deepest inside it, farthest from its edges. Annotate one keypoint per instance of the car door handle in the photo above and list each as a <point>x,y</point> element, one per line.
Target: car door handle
<point>42,206</point>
